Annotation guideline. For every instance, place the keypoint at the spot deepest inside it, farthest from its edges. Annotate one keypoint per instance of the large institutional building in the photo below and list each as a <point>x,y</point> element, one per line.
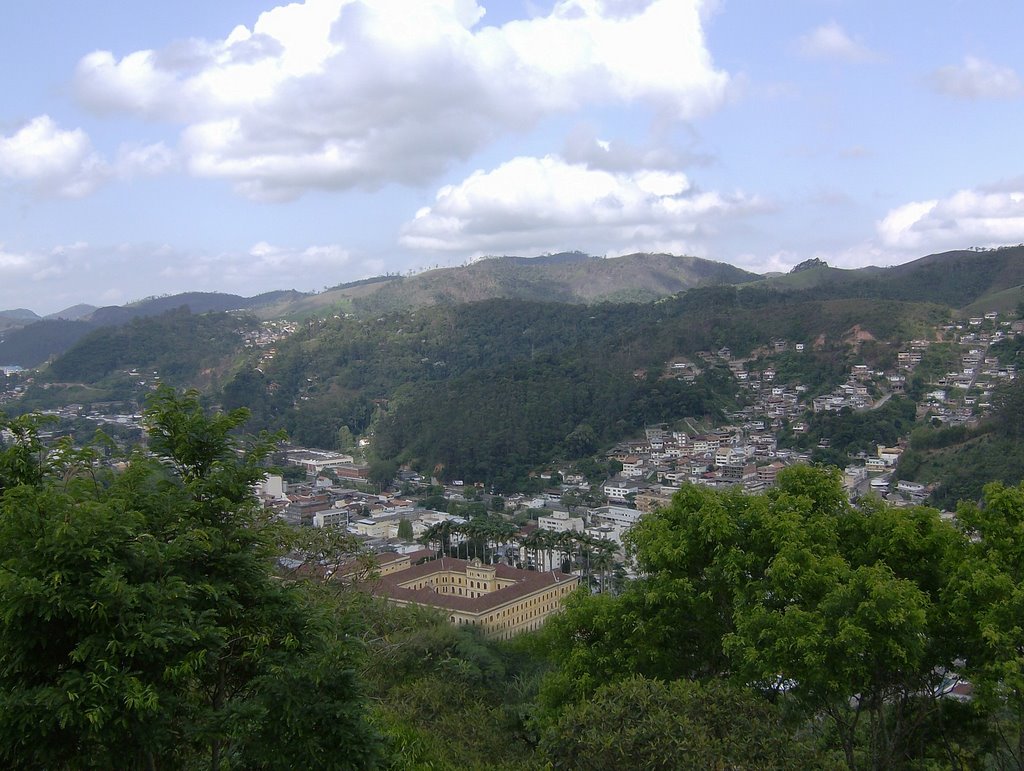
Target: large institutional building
<point>499,599</point>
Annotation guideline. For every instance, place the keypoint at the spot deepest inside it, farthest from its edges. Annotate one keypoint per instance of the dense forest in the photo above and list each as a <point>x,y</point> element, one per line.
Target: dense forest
<point>147,623</point>
<point>487,391</point>
<point>177,347</point>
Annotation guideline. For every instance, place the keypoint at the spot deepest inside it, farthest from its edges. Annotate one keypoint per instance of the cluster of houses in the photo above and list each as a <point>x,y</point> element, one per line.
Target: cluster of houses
<point>959,396</point>
<point>266,337</point>
<point>13,384</point>
<point>500,599</point>
<point>746,452</point>
<point>655,467</point>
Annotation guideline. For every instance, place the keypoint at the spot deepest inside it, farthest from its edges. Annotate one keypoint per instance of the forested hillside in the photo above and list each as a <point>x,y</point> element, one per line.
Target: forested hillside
<point>571,277</point>
<point>181,348</point>
<point>487,391</point>
<point>959,461</point>
<point>976,279</point>
<point>956,279</point>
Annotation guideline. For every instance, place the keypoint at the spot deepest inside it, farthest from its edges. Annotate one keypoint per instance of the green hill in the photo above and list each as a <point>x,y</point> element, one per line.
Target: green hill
<point>570,277</point>
<point>32,344</point>
<point>487,391</point>
<point>123,363</point>
<point>957,279</point>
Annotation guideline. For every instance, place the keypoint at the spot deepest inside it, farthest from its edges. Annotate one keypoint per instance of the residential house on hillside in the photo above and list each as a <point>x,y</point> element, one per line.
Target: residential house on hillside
<point>618,489</point>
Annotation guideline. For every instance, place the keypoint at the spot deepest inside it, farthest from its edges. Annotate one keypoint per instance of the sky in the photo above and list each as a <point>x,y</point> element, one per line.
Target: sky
<point>151,148</point>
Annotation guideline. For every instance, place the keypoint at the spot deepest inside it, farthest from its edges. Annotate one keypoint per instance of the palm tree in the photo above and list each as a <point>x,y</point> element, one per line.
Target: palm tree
<point>490,532</point>
<point>585,545</point>
<point>533,541</point>
<point>468,531</point>
<point>550,541</point>
<point>431,535</point>
<point>565,542</point>
<point>445,528</point>
<point>604,559</point>
<point>504,533</point>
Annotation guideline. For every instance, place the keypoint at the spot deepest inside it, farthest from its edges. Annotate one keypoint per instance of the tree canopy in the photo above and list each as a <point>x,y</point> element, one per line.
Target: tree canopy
<point>141,622</point>
<point>841,612</point>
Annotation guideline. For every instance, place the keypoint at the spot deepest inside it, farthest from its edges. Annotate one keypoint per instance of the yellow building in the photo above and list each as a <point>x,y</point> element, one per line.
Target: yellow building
<point>499,599</point>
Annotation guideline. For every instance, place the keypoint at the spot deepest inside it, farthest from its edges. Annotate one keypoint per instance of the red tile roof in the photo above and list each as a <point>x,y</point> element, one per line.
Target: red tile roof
<point>527,582</point>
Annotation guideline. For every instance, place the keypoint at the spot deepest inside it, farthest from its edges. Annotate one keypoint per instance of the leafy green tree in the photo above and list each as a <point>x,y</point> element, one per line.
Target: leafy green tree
<point>581,441</point>
<point>382,473</point>
<point>651,724</point>
<point>141,623</point>
<point>990,592</point>
<point>405,529</point>
<point>346,439</point>
<point>792,591</point>
<point>22,461</point>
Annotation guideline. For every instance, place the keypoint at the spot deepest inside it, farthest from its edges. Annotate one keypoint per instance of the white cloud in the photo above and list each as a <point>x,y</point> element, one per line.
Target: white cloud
<point>533,205</point>
<point>966,218</point>
<point>978,79</point>
<point>261,266</point>
<point>51,160</point>
<point>830,41</point>
<point>17,267</point>
<point>582,145</point>
<point>55,161</point>
<point>105,274</point>
<point>357,93</point>
<point>12,263</point>
<point>777,262</point>
<point>144,160</point>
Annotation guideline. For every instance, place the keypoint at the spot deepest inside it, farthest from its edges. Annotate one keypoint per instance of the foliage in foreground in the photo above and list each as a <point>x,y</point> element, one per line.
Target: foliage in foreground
<point>141,625</point>
<point>683,724</point>
<point>447,698</point>
<point>857,621</point>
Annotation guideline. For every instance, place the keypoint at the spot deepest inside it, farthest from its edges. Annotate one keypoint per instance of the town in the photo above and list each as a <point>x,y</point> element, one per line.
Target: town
<point>573,522</point>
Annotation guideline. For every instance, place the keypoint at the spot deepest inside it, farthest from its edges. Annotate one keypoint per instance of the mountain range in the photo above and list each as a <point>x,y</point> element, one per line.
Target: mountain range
<point>965,280</point>
<point>487,371</point>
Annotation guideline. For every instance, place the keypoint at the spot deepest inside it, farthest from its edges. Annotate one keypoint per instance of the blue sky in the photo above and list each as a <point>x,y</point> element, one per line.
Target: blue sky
<point>150,148</point>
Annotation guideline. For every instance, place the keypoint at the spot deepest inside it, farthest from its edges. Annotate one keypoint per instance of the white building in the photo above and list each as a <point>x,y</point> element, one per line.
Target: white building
<point>618,489</point>
<point>560,522</point>
<point>618,516</point>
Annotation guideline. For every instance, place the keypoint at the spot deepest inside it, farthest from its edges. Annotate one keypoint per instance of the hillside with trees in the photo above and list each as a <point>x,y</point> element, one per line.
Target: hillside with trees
<point>487,391</point>
<point>956,279</point>
<point>123,363</point>
<point>959,461</point>
<point>483,391</point>
<point>976,279</point>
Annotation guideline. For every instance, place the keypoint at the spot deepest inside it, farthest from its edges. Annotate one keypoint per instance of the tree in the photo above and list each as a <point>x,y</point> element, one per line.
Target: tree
<point>346,439</point>
<point>22,461</point>
<point>581,441</point>
<point>990,592</point>
<point>405,529</point>
<point>650,724</point>
<point>140,620</point>
<point>382,473</point>
<point>792,591</point>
